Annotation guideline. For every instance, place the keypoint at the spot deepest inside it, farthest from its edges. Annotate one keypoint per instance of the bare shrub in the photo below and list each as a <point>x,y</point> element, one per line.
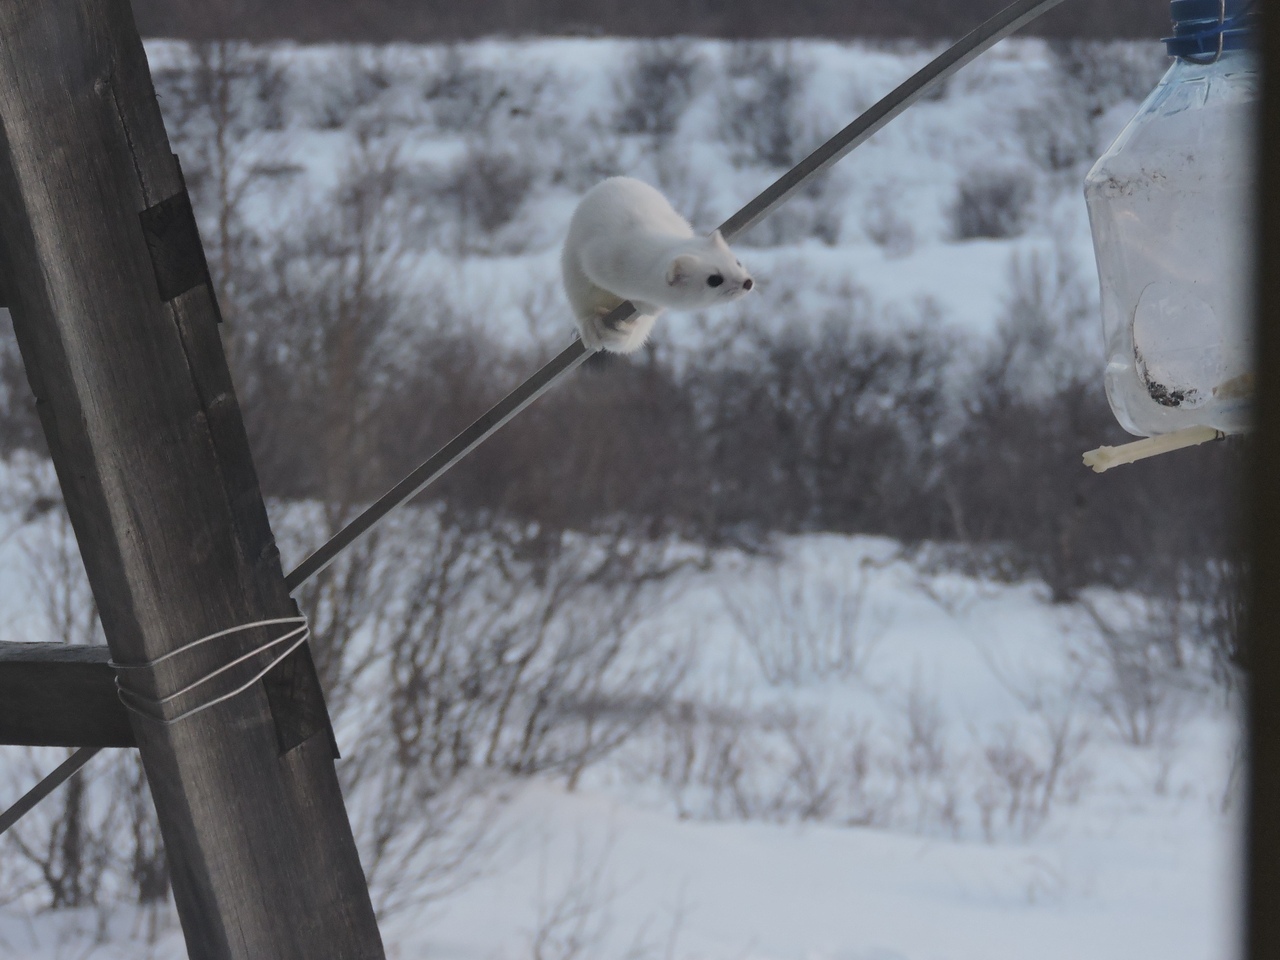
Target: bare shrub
<point>817,774</point>
<point>347,92</point>
<point>67,845</point>
<point>472,650</point>
<point>1033,402</point>
<point>485,188</point>
<point>885,225</point>
<point>699,759</point>
<point>1019,785</point>
<point>586,153</point>
<point>1145,649</point>
<point>927,792</point>
<point>1029,766</point>
<point>803,628</point>
<point>214,106</point>
<point>1105,73</point>
<point>220,85</point>
<point>1063,131</point>
<point>660,81</point>
<point>814,211</point>
<point>420,839</point>
<point>790,415</point>
<point>316,348</point>
<point>98,841</point>
<point>1217,597</point>
<point>577,920</point>
<point>991,204</point>
<point>1057,132</point>
<point>718,757</point>
<point>513,648</point>
<point>461,93</point>
<point>760,109</point>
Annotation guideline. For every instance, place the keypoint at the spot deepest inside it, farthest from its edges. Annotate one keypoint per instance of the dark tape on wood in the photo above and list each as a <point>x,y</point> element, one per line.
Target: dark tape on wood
<point>173,241</point>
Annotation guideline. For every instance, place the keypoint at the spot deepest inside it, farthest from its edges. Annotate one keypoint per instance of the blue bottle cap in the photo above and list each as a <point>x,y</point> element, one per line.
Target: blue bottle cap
<point>1202,29</point>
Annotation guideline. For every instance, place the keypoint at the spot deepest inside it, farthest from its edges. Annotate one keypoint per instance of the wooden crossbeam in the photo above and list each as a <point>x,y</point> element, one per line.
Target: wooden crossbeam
<point>60,695</point>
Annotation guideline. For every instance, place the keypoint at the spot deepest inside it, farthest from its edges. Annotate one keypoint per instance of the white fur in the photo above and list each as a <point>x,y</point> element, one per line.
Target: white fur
<point>626,243</point>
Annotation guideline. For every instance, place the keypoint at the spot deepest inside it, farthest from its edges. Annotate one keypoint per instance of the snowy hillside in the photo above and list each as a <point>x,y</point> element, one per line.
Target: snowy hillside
<point>495,141</point>
<point>831,747</point>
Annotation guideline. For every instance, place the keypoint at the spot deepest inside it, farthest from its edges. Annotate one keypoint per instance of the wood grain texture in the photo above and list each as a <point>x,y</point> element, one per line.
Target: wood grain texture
<point>136,402</point>
<point>60,695</point>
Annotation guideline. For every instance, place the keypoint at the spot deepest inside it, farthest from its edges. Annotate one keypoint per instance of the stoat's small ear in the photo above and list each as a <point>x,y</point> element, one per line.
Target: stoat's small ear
<point>718,239</point>
<point>681,269</point>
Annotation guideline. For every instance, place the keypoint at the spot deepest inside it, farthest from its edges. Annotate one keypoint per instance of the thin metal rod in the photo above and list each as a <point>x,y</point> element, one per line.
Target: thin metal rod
<point>938,70</point>
<point>64,772</point>
<point>560,367</point>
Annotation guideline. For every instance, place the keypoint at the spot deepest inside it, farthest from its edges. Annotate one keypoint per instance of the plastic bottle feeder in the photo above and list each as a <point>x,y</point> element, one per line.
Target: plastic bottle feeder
<point>1170,213</point>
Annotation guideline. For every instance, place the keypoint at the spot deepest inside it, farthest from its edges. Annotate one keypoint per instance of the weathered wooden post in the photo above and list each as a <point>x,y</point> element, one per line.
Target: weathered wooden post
<point>105,278</point>
<point>1262,649</point>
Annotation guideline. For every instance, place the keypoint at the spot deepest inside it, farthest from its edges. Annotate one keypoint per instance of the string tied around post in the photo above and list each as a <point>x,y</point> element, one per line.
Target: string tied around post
<point>154,708</point>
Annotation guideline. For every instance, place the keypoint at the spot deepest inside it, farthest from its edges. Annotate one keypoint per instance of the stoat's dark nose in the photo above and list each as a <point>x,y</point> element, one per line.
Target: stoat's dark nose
<point>747,284</point>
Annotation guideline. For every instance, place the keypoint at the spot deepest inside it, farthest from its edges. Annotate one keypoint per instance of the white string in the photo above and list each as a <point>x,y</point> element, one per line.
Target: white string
<point>137,702</point>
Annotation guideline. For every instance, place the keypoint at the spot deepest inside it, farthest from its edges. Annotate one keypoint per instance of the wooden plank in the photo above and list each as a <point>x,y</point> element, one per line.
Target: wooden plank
<point>60,695</point>
<point>1262,648</point>
<point>135,399</point>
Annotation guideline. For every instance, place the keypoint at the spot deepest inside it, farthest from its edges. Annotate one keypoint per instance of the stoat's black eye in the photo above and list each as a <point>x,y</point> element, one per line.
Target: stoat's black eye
<point>715,280</point>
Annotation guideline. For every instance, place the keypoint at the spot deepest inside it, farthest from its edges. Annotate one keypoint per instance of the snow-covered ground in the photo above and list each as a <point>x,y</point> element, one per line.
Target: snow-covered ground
<point>1136,859</point>
<point>1133,854</point>
<point>872,760</point>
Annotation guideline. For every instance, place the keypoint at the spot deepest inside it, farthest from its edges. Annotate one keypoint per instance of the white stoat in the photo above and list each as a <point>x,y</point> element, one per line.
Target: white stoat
<point>626,243</point>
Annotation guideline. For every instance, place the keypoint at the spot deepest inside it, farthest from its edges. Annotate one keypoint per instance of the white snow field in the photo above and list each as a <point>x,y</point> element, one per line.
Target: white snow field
<point>869,758</point>
<point>1133,855</point>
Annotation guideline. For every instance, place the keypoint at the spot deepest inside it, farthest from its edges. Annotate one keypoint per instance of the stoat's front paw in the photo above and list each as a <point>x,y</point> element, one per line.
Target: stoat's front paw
<point>590,331</point>
<point>629,336</point>
<point>626,337</point>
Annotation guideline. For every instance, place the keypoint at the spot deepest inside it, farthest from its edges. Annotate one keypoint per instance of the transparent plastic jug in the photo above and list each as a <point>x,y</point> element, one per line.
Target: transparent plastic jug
<point>1169,205</point>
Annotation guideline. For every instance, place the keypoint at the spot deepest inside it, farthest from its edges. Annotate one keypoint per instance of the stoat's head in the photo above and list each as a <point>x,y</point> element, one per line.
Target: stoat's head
<point>706,273</point>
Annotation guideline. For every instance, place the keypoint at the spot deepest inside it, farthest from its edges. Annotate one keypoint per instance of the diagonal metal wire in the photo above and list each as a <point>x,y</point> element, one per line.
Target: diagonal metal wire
<point>1007,21</point>
<point>62,773</point>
